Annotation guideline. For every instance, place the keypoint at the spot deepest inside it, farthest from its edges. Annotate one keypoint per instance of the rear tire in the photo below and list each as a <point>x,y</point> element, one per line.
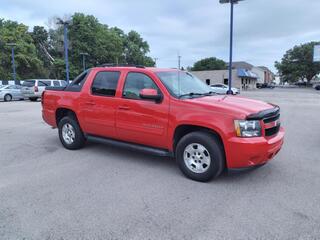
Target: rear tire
<point>7,98</point>
<point>70,133</point>
<point>33,99</point>
<point>200,156</point>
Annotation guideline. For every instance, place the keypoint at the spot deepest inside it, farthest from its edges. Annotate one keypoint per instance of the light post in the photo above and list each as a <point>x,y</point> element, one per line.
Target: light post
<point>84,60</point>
<point>65,42</point>
<point>12,45</point>
<point>232,2</point>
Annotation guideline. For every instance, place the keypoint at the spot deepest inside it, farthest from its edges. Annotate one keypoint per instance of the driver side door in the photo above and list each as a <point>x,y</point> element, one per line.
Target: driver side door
<point>140,120</point>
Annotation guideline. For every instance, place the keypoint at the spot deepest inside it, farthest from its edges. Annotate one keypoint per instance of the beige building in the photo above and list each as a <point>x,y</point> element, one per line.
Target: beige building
<point>241,78</point>
<point>264,74</point>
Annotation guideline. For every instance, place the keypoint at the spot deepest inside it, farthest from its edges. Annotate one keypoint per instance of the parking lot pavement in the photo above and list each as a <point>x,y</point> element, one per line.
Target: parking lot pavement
<point>102,192</point>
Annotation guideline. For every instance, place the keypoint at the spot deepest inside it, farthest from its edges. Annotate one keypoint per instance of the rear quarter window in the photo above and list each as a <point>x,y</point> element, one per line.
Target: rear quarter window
<point>56,83</point>
<point>29,83</point>
<point>44,83</point>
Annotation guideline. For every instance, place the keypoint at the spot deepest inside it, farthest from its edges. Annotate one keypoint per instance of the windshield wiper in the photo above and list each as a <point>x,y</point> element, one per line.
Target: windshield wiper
<point>210,93</point>
<point>191,94</point>
<point>196,94</point>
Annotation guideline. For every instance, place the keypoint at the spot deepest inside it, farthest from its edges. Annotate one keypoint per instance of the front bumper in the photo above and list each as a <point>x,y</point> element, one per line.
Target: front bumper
<point>250,152</point>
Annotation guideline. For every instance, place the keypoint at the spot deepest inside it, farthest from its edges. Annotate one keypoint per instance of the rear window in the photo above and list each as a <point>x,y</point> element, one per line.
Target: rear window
<point>63,83</point>
<point>56,83</point>
<point>44,83</point>
<point>105,83</point>
<point>29,83</point>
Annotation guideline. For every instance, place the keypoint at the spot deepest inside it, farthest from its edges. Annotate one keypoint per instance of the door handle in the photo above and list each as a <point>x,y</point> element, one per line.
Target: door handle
<point>124,107</point>
<point>91,103</point>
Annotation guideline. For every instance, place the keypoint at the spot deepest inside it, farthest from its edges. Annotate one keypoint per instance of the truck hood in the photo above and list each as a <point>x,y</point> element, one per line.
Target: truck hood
<point>235,104</point>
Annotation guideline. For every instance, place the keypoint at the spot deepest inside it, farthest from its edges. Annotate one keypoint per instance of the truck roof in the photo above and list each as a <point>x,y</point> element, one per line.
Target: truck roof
<point>152,69</point>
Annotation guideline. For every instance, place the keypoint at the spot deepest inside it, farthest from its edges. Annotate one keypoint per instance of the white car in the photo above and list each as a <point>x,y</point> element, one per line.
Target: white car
<point>10,92</point>
<point>223,89</point>
<point>33,89</point>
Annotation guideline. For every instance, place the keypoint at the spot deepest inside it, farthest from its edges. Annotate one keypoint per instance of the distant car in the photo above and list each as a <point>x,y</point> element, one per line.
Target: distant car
<point>265,85</point>
<point>10,92</point>
<point>33,89</point>
<point>317,87</point>
<point>223,89</point>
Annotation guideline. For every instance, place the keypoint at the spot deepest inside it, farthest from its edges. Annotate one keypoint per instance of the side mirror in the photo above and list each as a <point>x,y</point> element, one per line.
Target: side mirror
<point>150,94</point>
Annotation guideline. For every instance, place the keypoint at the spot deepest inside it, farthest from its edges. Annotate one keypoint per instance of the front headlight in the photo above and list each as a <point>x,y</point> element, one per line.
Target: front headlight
<point>247,129</point>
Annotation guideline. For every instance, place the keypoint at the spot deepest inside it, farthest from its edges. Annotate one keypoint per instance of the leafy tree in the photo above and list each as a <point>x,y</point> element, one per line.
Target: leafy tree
<point>211,63</point>
<point>27,62</point>
<point>103,45</point>
<point>40,53</point>
<point>135,50</point>
<point>297,63</point>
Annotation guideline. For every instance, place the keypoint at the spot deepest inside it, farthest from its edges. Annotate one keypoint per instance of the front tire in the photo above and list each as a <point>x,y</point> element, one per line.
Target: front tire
<point>7,98</point>
<point>33,99</point>
<point>70,133</point>
<point>200,156</point>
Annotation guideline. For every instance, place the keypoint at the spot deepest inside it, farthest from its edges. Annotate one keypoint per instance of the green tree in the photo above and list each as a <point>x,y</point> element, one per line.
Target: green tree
<point>297,63</point>
<point>28,65</point>
<point>102,43</point>
<point>135,50</point>
<point>211,63</point>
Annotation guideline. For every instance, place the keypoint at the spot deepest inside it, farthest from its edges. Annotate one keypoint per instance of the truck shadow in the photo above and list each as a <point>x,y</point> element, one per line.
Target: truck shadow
<point>169,165</point>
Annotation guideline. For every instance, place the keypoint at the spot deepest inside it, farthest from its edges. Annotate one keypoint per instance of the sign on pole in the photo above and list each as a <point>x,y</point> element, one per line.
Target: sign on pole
<point>316,53</point>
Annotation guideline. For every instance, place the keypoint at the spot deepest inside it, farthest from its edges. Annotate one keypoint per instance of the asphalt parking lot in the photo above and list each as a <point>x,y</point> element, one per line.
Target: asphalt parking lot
<point>102,192</point>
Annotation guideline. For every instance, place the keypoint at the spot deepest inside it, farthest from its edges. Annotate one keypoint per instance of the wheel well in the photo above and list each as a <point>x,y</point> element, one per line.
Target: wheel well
<point>62,112</point>
<point>183,130</point>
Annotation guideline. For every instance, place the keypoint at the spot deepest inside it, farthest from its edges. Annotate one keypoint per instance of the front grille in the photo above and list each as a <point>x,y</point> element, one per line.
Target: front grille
<point>272,131</point>
<point>271,119</point>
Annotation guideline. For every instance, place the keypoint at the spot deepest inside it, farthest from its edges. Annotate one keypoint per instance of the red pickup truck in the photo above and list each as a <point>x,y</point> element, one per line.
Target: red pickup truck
<point>165,112</point>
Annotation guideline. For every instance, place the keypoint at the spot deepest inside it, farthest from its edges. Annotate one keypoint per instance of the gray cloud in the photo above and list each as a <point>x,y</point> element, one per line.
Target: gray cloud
<point>264,30</point>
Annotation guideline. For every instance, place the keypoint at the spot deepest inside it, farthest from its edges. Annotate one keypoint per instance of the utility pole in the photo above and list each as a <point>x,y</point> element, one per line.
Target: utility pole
<point>232,2</point>
<point>84,60</point>
<point>179,61</point>
<point>65,41</point>
<point>12,45</point>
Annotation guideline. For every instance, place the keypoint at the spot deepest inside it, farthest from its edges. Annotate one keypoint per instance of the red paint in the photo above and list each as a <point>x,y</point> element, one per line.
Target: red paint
<point>153,124</point>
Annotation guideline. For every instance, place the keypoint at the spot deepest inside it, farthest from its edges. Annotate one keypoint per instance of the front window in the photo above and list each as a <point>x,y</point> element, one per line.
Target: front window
<point>183,84</point>
<point>135,82</point>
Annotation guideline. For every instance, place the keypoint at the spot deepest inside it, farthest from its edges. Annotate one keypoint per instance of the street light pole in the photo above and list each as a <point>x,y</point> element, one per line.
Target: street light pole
<point>231,48</point>
<point>232,2</point>
<point>84,60</point>
<point>65,42</point>
<point>12,45</point>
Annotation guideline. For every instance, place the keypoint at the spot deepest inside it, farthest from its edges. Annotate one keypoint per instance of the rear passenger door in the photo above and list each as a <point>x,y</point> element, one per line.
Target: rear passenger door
<point>13,91</point>
<point>99,106</point>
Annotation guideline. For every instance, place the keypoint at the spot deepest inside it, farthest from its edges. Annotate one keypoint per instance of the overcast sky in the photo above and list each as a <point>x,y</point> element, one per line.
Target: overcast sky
<point>264,29</point>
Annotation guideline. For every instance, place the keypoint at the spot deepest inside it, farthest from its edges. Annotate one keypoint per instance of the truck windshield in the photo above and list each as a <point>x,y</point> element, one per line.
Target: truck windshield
<point>183,84</point>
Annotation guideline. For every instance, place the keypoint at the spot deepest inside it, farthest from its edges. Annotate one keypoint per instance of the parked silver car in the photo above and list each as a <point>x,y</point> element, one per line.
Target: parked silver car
<point>33,89</point>
<point>10,92</point>
<point>223,89</point>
